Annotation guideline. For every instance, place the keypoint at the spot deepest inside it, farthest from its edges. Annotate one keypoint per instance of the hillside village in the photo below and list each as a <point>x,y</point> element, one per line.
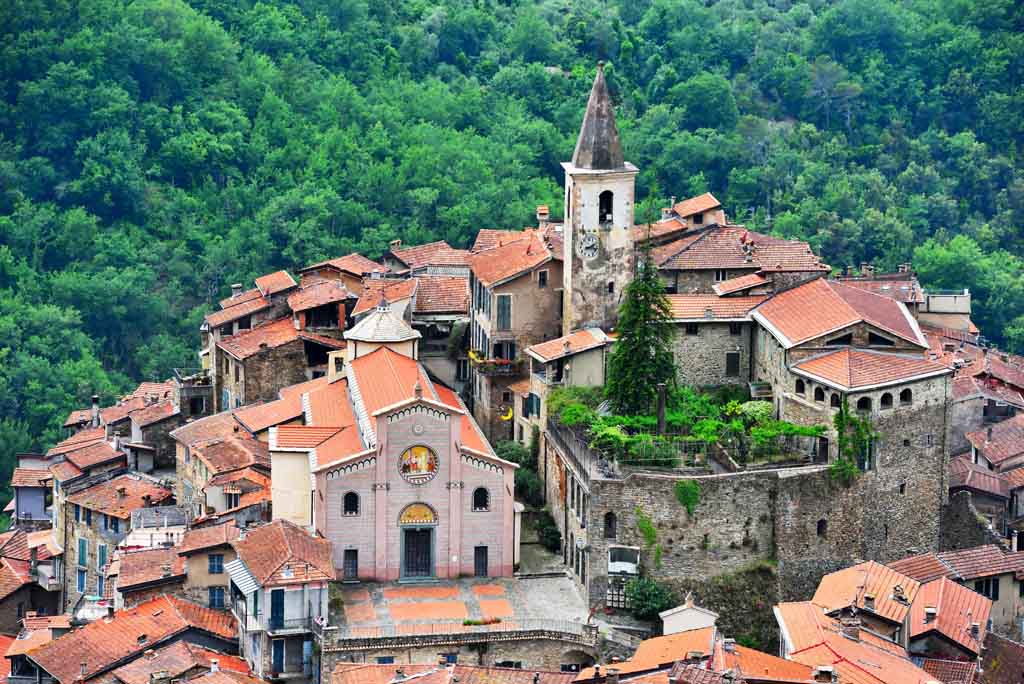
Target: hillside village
<point>381,471</point>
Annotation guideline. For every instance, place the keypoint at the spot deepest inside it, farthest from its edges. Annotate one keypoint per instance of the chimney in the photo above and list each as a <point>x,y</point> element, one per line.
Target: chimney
<point>160,677</point>
<point>95,422</point>
<point>33,560</point>
<point>826,674</point>
<point>214,665</point>
<point>110,612</point>
<point>930,613</point>
<point>988,434</point>
<point>543,216</point>
<point>236,289</point>
<point>729,645</point>
<point>147,500</point>
<point>850,628</point>
<point>81,669</point>
<point>395,244</point>
<point>613,676</point>
<point>867,269</point>
<point>165,570</point>
<point>536,676</point>
<point>149,653</point>
<point>975,629</point>
<point>335,365</point>
<point>849,270</point>
<point>597,672</point>
<point>869,601</point>
<point>121,492</point>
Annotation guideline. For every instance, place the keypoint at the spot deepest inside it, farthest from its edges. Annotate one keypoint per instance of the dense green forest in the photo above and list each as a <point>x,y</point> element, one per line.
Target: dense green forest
<point>154,151</point>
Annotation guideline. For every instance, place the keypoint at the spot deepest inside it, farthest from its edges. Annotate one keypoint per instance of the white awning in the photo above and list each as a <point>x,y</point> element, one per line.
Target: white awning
<point>241,576</point>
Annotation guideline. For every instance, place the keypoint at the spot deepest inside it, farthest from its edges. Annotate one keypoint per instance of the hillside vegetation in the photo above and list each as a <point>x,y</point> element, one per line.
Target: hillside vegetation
<point>152,152</point>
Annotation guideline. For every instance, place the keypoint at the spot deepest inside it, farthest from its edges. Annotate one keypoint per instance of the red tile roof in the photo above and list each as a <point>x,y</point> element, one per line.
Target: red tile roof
<point>259,417</point>
<point>329,405</point>
<point>966,564</point>
<point>218,426</point>
<point>354,264</point>
<point>739,284</point>
<point>16,544</point>
<point>236,311</point>
<point>489,238</point>
<point>857,662</point>
<point>663,651</point>
<point>149,566</point>
<point>819,307</point>
<point>77,440</point>
<point>176,659</point>
<point>699,307</point>
<point>226,677</point>
<point>93,455</point>
<point>806,624</point>
<point>30,477</point>
<point>1006,441</point>
<point>120,411</point>
<point>385,378</point>
<point>759,666</point>
<point>200,538</point>
<point>438,253</point>
<point>77,417</point>
<point>100,645</point>
<point>901,287</point>
<point>470,435</point>
<point>1003,660</point>
<point>153,391</point>
<point>695,205</point>
<point>364,673</point>
<point>318,293</point>
<point>393,291</point>
<point>951,671</point>
<point>499,264</point>
<point>852,369</point>
<point>154,414</point>
<point>64,471</point>
<point>275,282</point>
<point>924,567</point>
<point>271,335</point>
<point>573,343</point>
<point>105,497</point>
<point>726,247</point>
<point>849,587</point>
<point>1014,478</point>
<point>1009,371</point>
<point>245,296</point>
<point>441,295</point>
<point>238,451</point>
<point>958,607</point>
<point>964,474</point>
<point>300,436</point>
<point>267,550</point>
<point>14,574</point>
<point>695,673</point>
<point>33,621</point>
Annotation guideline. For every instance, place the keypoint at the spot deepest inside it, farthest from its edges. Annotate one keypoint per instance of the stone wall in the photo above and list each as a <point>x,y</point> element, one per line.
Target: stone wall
<point>268,371</point>
<point>963,527</point>
<point>158,435</point>
<point>965,415</point>
<point>701,358</point>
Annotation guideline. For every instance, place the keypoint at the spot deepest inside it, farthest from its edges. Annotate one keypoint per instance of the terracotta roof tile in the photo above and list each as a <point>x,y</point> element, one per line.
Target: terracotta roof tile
<point>268,549</point>
<point>78,417</point>
<point>393,291</point>
<point>303,387</point>
<point>386,377</point>
<point>489,238</point>
<point>1005,442</point>
<point>64,471</point>
<point>93,455</point>
<point>275,282</point>
<point>222,455</point>
<point>442,294</point>
<point>364,673</point>
<point>848,587</point>
<point>176,659</point>
<point>245,296</point>
<point>149,566</point>
<point>901,287</point>
<point>739,284</point>
<point>965,564</point>
<point>496,265</point>
<point>727,247</point>
<point>851,369</point>
<point>690,307</point>
<point>964,474</point>
<point>259,417</point>
<point>694,673</point>
<point>100,645</point>
<point>438,253</point>
<point>957,608</point>
<point>354,264</point>
<point>30,477</point>
<point>27,641</point>
<point>14,574</point>
<point>806,624</point>
<point>226,677</point>
<point>950,671</point>
<point>33,621</point>
<point>218,426</point>
<point>201,538</point>
<point>329,405</point>
<point>1014,478</point>
<point>77,440</point>
<point>271,335</point>
<point>318,293</point>
<point>105,497</point>
<point>1003,660</point>
<point>695,205</point>
<point>470,435</point>
<point>573,343</point>
<point>154,413</point>
<point>242,478</point>
<point>819,307</point>
<point>663,651</point>
<point>762,666</point>
<point>153,391</point>
<point>120,411</point>
<point>236,311</point>
<point>857,662</point>
<point>300,436</point>
<point>661,254</point>
<point>924,567</point>
<point>1009,371</point>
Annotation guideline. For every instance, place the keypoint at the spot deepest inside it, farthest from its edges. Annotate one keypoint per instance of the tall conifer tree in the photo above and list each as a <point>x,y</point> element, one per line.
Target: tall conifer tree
<point>642,357</point>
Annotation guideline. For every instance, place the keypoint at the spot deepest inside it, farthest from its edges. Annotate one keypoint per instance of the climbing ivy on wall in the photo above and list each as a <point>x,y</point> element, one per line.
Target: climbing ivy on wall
<point>645,526</point>
<point>688,495</point>
<point>854,435</point>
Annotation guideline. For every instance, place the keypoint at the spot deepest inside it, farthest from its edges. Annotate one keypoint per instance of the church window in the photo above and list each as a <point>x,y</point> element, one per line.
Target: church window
<point>605,202</point>
<point>481,499</point>
<point>835,401</point>
<point>864,404</point>
<point>351,504</point>
<point>819,394</point>
<point>906,397</point>
<point>418,465</point>
<point>800,387</point>
<point>886,401</point>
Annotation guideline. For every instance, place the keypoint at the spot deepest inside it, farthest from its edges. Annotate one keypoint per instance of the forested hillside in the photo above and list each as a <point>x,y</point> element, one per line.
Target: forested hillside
<point>154,151</point>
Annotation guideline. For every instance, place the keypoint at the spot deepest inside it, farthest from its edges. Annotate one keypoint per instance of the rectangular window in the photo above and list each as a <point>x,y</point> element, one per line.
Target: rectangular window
<point>462,370</point>
<point>115,524</point>
<point>542,278</point>
<point>692,329</point>
<point>80,582</point>
<point>216,595</point>
<point>506,397</point>
<point>232,500</point>
<point>88,517</point>
<point>216,563</point>
<point>734,328</point>
<point>505,350</point>
<point>504,318</point>
<point>451,658</point>
<point>99,585</point>
<point>385,660</point>
<point>350,564</point>
<point>101,555</point>
<point>988,587</point>
<point>721,275</point>
<point>83,552</point>
<point>732,364</point>
<point>78,513</point>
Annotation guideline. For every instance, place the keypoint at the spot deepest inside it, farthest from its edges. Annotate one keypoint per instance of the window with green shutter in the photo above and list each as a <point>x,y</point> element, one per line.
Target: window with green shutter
<point>83,552</point>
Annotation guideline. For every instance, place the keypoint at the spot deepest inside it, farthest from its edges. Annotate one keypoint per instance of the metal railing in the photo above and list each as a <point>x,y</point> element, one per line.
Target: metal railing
<point>566,628</point>
<point>588,462</point>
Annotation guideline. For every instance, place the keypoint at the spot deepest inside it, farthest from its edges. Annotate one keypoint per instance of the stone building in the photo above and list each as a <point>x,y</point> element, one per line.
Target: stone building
<point>151,446</point>
<point>205,553</point>
<point>990,491</point>
<point>433,258</point>
<point>351,270</point>
<point>27,575</point>
<point>713,339</point>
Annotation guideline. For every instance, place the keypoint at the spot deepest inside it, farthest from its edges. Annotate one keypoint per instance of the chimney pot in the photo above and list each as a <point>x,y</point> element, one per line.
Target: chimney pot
<point>851,628</point>
<point>214,665</point>
<point>729,645</point>
<point>975,629</point>
<point>395,244</point>
<point>930,612</point>
<point>613,676</point>
<point>95,411</point>
<point>988,434</point>
<point>121,492</point>
<point>869,601</point>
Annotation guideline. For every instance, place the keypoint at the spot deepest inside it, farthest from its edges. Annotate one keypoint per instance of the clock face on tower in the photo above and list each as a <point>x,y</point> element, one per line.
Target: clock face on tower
<point>588,246</point>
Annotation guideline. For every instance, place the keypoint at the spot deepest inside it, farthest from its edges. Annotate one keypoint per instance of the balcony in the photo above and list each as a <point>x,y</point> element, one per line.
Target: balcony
<point>273,624</point>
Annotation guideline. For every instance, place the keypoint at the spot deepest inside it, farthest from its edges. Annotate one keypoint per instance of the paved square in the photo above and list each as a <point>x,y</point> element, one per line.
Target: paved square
<point>428,611</point>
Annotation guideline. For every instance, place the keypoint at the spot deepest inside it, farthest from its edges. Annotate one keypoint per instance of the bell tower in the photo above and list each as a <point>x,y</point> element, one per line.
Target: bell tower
<point>598,261</point>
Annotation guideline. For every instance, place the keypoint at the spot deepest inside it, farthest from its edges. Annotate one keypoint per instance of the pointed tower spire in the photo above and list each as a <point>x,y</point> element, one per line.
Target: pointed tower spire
<point>598,146</point>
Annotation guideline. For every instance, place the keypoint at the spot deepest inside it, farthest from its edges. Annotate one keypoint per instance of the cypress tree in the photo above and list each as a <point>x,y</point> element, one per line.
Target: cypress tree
<point>642,357</point>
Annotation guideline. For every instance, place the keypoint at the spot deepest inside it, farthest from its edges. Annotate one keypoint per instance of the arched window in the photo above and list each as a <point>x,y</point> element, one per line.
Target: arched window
<point>481,499</point>
<point>604,206</point>
<point>822,527</point>
<point>819,394</point>
<point>886,401</point>
<point>906,397</point>
<point>835,401</point>
<point>864,404</point>
<point>610,524</point>
<point>800,387</point>
<point>350,506</point>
